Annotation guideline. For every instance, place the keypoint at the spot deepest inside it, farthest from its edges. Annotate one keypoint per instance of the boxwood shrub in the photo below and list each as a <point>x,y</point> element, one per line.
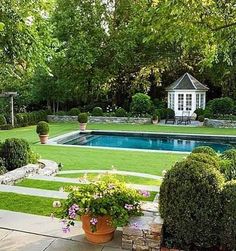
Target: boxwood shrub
<point>205,149</point>
<point>205,158</point>
<point>141,104</point>
<point>228,220</point>
<point>97,111</point>
<point>15,153</point>
<point>190,204</point>
<point>228,164</point>
<point>120,112</point>
<point>74,111</point>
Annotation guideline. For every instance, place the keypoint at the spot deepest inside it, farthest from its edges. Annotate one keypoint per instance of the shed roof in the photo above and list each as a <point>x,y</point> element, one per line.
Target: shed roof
<point>187,82</point>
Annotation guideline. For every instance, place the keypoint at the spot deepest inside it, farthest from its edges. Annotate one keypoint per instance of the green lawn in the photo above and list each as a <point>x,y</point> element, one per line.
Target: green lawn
<point>128,179</point>
<point>27,204</point>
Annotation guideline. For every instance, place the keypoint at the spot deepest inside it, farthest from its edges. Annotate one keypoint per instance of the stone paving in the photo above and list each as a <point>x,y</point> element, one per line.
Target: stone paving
<point>25,232</point>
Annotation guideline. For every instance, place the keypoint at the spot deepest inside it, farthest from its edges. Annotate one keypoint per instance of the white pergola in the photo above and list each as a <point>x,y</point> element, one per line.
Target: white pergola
<point>10,95</point>
<point>186,94</point>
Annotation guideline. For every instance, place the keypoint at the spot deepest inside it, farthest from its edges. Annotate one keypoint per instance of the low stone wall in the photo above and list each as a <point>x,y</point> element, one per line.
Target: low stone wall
<point>100,119</point>
<point>219,123</point>
<point>10,178</point>
<point>144,232</point>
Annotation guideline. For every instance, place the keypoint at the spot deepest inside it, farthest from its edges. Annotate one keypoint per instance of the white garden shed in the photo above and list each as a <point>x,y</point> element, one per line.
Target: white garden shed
<point>186,94</point>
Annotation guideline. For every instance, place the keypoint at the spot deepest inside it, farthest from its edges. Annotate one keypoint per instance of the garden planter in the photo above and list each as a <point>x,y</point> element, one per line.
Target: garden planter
<point>104,233</point>
<point>83,126</point>
<point>154,122</point>
<point>43,139</point>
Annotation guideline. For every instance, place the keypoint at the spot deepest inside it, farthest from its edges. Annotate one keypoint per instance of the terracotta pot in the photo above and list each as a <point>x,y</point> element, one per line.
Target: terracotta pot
<point>43,139</point>
<point>104,233</point>
<point>83,126</point>
<point>154,122</point>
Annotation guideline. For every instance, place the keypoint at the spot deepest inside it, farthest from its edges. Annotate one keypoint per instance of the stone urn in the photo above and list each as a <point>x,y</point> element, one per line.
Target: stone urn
<point>104,231</point>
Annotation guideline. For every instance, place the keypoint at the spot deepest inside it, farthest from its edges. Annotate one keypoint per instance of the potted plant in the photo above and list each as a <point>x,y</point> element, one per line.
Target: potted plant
<point>83,119</point>
<point>42,130</point>
<point>154,119</point>
<point>102,206</point>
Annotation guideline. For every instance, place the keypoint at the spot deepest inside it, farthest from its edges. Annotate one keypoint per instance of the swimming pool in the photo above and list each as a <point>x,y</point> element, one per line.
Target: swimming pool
<point>147,141</point>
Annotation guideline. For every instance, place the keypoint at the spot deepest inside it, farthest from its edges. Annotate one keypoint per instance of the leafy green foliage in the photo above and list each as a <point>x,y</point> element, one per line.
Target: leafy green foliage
<point>222,106</point>
<point>105,197</point>
<point>74,111</point>
<point>201,118</point>
<point>42,128</point>
<point>141,104</point>
<point>120,112</point>
<point>83,117</point>
<point>205,159</point>
<point>97,111</point>
<point>2,120</point>
<point>206,150</point>
<point>190,204</point>
<point>228,165</point>
<point>15,153</point>
<point>228,226</point>
<point>169,113</point>
<point>2,166</point>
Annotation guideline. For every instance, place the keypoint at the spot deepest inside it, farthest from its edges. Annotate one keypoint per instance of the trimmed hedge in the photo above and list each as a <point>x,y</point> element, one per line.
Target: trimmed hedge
<point>190,204</point>
<point>228,220</point>
<point>205,158</point>
<point>120,112</point>
<point>15,153</point>
<point>31,118</point>
<point>74,111</point>
<point>83,118</point>
<point>97,111</point>
<point>42,128</point>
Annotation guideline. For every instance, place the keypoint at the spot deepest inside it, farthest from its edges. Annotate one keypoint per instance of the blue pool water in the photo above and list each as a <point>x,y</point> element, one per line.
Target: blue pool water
<point>165,143</point>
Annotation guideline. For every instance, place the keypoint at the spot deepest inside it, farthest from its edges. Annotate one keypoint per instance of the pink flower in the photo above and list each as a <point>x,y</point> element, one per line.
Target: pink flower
<point>94,221</point>
<point>144,193</point>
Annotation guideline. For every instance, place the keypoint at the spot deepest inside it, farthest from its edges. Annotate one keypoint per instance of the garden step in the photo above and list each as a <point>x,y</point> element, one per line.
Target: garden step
<point>33,191</point>
<point>83,181</point>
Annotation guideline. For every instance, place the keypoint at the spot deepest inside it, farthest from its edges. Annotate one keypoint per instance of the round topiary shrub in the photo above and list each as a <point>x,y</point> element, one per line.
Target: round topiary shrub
<point>74,111</point>
<point>205,149</point>
<point>228,220</point>
<point>222,106</point>
<point>83,117</point>
<point>42,128</point>
<point>201,118</point>
<point>3,120</point>
<point>15,153</point>
<point>97,111</point>
<point>205,158</point>
<point>190,204</point>
<point>120,112</point>
<point>141,104</point>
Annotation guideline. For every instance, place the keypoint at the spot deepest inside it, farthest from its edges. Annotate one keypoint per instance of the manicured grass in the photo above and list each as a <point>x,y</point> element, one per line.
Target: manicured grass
<point>128,179</point>
<point>27,204</point>
<point>163,128</point>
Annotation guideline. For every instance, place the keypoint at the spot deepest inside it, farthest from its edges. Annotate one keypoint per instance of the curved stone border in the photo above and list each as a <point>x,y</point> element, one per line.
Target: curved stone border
<point>10,178</point>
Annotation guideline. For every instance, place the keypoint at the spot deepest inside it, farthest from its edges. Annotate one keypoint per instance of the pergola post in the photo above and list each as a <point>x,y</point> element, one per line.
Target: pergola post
<point>11,95</point>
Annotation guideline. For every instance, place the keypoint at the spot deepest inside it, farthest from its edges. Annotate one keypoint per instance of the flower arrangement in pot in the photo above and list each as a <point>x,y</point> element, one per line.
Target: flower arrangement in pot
<point>42,130</point>
<point>102,206</point>
<point>83,119</point>
<point>154,119</point>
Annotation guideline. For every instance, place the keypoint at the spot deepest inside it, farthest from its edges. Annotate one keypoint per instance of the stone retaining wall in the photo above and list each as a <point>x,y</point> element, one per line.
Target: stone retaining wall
<point>219,123</point>
<point>10,178</point>
<point>144,232</point>
<point>100,119</point>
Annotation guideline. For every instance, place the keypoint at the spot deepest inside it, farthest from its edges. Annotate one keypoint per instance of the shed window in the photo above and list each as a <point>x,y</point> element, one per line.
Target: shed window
<point>172,101</point>
<point>180,102</point>
<point>202,101</point>
<point>197,101</point>
<point>188,102</point>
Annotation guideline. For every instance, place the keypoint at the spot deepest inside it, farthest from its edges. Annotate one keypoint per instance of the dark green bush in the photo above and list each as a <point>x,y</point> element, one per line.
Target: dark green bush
<point>42,128</point>
<point>61,113</point>
<point>97,111</point>
<point>3,120</point>
<point>208,113</point>
<point>222,106</point>
<point>199,112</point>
<point>201,118</point>
<point>15,153</point>
<point>22,119</point>
<point>2,166</point>
<point>228,220</point>
<point>154,117</point>
<point>190,204</point>
<point>141,104</point>
<point>120,112</point>
<point>74,111</point>
<point>161,113</point>
<point>6,127</point>
<point>228,166</point>
<point>83,118</point>
<point>205,149</point>
<point>205,158</point>
<point>170,113</point>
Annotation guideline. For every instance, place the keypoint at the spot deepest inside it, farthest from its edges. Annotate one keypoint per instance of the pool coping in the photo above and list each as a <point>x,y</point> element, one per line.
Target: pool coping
<point>58,140</point>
